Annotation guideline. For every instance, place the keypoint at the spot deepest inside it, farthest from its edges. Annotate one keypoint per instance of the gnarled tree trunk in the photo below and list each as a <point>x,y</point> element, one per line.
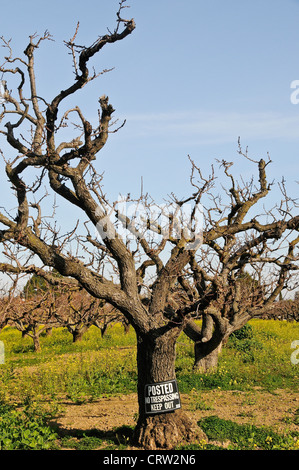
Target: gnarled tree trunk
<point>205,357</point>
<point>36,342</point>
<point>208,340</point>
<point>211,337</point>
<point>156,365</point>
<point>77,336</point>
<point>206,351</point>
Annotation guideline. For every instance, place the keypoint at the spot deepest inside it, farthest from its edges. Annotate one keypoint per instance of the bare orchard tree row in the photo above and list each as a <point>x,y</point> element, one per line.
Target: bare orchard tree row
<point>286,309</point>
<point>76,311</point>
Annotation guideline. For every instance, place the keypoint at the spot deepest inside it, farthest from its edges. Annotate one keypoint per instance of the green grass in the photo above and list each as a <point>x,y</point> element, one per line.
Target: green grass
<point>247,436</point>
<point>258,355</point>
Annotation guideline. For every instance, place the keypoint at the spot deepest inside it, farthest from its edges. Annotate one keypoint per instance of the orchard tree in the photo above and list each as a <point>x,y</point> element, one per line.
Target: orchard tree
<point>7,297</point>
<point>136,264</point>
<point>77,311</point>
<point>243,264</point>
<point>33,317</point>
<point>109,316</point>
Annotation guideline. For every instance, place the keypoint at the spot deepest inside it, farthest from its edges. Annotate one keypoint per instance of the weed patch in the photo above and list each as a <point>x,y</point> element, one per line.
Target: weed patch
<point>24,429</point>
<point>246,436</point>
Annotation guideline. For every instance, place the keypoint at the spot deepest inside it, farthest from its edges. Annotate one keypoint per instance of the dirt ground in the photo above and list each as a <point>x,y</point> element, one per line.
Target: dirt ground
<point>255,407</point>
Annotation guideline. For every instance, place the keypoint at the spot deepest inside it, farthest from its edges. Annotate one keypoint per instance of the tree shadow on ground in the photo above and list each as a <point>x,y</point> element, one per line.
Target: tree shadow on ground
<point>89,439</point>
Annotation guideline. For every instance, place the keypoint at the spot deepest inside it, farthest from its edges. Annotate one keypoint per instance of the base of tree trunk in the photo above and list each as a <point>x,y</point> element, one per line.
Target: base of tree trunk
<point>166,431</point>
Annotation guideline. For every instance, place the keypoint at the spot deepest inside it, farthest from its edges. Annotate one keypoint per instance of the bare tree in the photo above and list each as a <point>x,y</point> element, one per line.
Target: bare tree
<point>108,316</point>
<point>243,299</point>
<point>78,311</point>
<point>139,273</point>
<point>33,317</point>
<point>243,267</point>
<point>8,294</point>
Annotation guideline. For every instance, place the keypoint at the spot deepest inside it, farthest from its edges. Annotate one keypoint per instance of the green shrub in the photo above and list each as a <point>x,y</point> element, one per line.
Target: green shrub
<point>244,341</point>
<point>246,332</point>
<point>23,429</point>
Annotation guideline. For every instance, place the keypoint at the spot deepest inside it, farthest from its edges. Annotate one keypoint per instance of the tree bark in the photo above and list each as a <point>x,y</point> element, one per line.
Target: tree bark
<point>156,364</point>
<point>103,330</point>
<point>206,353</point>
<point>208,340</point>
<point>206,359</point>
<point>36,342</point>
<point>77,335</point>
<point>126,326</point>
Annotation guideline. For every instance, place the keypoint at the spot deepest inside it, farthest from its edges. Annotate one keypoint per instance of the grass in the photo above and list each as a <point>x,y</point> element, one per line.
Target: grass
<point>247,436</point>
<point>258,355</point>
<point>80,371</point>
<point>232,436</point>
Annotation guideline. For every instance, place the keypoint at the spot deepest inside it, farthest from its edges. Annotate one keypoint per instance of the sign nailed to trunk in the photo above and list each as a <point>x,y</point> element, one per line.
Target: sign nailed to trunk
<point>162,397</point>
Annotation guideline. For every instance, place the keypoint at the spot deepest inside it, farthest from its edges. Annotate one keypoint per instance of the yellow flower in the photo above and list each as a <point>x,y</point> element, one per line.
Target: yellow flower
<point>296,445</point>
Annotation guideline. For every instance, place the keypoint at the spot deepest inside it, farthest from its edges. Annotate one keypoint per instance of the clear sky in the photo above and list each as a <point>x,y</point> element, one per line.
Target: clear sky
<point>193,77</point>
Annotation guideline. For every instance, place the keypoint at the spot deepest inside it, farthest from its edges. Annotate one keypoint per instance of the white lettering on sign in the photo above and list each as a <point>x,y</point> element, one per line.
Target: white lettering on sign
<point>160,389</point>
<point>162,397</point>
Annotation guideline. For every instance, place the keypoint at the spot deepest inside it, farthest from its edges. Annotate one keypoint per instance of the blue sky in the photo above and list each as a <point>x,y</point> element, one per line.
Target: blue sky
<point>193,77</point>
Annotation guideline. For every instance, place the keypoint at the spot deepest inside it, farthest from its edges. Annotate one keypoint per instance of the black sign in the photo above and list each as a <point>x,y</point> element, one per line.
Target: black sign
<point>162,397</point>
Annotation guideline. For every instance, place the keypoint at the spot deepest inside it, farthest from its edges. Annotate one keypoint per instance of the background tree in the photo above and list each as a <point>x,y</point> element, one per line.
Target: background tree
<point>244,299</point>
<point>6,299</point>
<point>285,309</point>
<point>107,317</point>
<point>33,317</point>
<point>137,275</point>
<point>78,311</point>
<point>241,270</point>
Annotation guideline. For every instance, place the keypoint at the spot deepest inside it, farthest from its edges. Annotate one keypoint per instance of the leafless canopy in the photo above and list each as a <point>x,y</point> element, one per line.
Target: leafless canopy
<point>228,262</point>
<point>229,241</point>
